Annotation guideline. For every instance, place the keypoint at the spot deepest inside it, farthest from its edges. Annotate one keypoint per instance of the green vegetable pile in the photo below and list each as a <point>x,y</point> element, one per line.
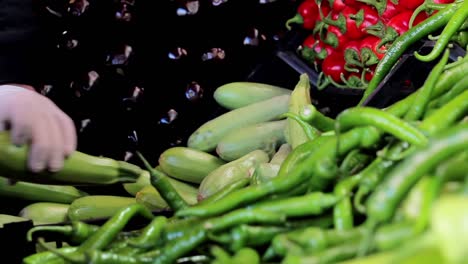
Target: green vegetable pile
<point>273,180</point>
<point>370,186</point>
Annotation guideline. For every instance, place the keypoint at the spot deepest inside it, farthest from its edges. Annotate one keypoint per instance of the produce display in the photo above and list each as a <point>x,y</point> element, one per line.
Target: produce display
<point>273,179</point>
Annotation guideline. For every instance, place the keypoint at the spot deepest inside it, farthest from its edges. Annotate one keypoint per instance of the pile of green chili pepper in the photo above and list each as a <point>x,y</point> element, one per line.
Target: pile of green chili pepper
<point>365,186</point>
<point>362,187</point>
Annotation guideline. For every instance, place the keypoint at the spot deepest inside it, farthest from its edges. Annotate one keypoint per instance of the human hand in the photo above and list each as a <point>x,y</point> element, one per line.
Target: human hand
<point>35,120</point>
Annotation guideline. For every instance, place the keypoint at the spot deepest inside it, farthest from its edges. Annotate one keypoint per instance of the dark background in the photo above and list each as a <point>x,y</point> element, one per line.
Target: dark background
<point>154,30</point>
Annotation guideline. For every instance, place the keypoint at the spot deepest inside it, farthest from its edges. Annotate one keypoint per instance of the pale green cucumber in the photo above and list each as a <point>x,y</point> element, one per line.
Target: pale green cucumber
<point>266,136</point>
<point>97,207</point>
<point>281,154</point>
<point>7,219</point>
<point>208,135</point>
<point>39,192</point>
<point>133,187</point>
<point>188,164</point>
<point>44,213</point>
<point>151,199</point>
<point>239,94</point>
<point>300,97</point>
<point>264,173</point>
<point>150,196</point>
<point>231,172</point>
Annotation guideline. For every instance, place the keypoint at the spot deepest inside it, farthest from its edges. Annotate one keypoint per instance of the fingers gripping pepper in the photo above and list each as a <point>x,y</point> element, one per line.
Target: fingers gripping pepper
<point>79,168</point>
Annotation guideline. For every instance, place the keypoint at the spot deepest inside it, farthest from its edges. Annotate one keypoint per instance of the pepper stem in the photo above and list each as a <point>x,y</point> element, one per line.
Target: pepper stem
<point>297,19</point>
<point>322,81</point>
<point>358,17</point>
<point>380,5</point>
<point>331,39</point>
<point>66,230</point>
<point>390,35</point>
<point>377,30</point>
<point>352,58</point>
<point>339,23</point>
<point>368,57</point>
<point>78,259</point>
<point>309,54</point>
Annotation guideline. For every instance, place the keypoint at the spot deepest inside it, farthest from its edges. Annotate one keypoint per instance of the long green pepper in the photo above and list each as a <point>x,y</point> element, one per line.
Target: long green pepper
<point>453,25</point>
<point>403,42</point>
<point>382,203</point>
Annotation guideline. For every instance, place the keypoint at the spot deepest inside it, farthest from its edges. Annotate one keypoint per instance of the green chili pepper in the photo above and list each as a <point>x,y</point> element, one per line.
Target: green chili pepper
<point>343,211</point>
<point>382,203</point>
<point>243,255</point>
<point>246,255</point>
<point>110,229</point>
<point>243,216</point>
<point>322,221</point>
<point>402,43</point>
<point>335,246</point>
<point>180,247</point>
<point>457,89</point>
<point>372,175</point>
<point>48,256</point>
<point>253,236</point>
<point>423,97</point>
<point>75,233</point>
<point>447,115</point>
<point>161,183</point>
<point>149,237</point>
<point>454,169</point>
<point>79,168</point>
<point>446,81</point>
<point>353,162</point>
<point>311,241</point>
<point>100,257</point>
<point>439,120</point>
<point>300,153</point>
<point>453,24</point>
<point>361,116</point>
<point>220,255</point>
<point>311,115</point>
<point>309,131</point>
<point>309,204</point>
